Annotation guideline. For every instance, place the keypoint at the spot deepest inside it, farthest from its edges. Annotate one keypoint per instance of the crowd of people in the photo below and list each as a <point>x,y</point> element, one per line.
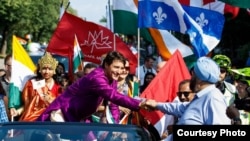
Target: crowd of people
<point>216,93</point>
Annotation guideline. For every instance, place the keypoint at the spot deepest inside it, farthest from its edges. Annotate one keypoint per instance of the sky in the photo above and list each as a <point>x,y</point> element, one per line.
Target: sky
<point>91,10</point>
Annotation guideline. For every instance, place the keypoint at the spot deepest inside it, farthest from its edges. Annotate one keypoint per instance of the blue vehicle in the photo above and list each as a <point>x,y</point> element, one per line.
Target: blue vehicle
<point>71,131</point>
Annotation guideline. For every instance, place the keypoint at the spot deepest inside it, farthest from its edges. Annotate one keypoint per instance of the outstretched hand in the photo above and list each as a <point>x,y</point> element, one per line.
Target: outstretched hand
<point>148,105</point>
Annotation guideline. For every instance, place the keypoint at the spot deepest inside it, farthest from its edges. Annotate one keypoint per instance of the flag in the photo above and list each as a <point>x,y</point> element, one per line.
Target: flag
<point>195,2</point>
<point>166,43</point>
<point>238,3</point>
<point>109,116</point>
<point>127,118</point>
<point>94,40</point>
<point>77,59</point>
<point>134,51</point>
<point>132,92</point>
<point>214,5</point>
<point>203,26</point>
<point>109,16</point>
<point>22,70</point>
<point>163,88</point>
<point>125,19</point>
<point>21,40</point>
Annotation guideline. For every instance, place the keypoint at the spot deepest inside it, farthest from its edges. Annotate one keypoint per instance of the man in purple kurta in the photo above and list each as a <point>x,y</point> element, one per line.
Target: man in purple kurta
<point>81,99</point>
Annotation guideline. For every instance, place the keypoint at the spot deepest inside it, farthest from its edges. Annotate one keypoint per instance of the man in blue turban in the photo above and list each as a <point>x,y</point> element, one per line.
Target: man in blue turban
<point>208,106</point>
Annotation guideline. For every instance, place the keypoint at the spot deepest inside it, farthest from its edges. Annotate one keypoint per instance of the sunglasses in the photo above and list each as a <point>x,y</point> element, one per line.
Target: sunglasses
<point>186,94</point>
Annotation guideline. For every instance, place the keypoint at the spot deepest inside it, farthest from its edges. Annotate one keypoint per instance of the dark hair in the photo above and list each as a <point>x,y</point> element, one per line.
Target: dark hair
<point>66,76</point>
<point>111,56</point>
<point>60,64</point>
<point>243,103</point>
<point>2,91</point>
<point>145,84</point>
<point>89,66</point>
<point>8,57</point>
<point>147,74</point>
<point>248,91</point>
<point>184,82</point>
<point>147,58</point>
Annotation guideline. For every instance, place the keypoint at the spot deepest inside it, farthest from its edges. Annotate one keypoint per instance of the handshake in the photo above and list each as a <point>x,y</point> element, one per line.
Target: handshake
<point>148,104</point>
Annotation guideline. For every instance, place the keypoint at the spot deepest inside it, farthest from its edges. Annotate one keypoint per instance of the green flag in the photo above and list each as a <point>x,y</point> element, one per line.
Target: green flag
<point>125,15</point>
<point>238,3</point>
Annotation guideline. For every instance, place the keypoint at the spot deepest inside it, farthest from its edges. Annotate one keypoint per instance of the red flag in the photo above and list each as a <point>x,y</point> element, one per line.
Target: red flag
<point>189,2</point>
<point>164,86</point>
<point>94,40</point>
<point>214,5</point>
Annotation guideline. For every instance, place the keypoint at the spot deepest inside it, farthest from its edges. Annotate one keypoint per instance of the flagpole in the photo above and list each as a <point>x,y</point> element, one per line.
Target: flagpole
<point>139,55</point>
<point>109,12</point>
<point>67,6</point>
<point>61,11</point>
<point>114,42</point>
<point>109,23</point>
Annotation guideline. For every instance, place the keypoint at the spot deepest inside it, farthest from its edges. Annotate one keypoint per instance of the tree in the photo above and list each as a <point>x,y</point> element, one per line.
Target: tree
<point>103,20</point>
<point>235,41</point>
<point>36,17</point>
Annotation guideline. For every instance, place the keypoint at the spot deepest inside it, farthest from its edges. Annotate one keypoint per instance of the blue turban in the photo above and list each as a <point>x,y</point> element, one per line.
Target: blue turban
<point>207,70</point>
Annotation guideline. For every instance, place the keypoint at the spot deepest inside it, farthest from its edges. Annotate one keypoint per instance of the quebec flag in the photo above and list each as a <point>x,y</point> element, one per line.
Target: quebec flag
<point>203,26</point>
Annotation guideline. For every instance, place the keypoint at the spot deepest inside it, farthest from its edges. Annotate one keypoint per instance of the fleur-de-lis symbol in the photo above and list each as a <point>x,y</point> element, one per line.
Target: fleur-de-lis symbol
<point>192,36</point>
<point>159,15</point>
<point>201,20</point>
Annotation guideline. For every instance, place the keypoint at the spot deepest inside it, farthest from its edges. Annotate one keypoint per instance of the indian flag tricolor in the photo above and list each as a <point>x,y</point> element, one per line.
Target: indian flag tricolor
<point>23,69</point>
<point>127,118</point>
<point>77,60</point>
<point>124,11</point>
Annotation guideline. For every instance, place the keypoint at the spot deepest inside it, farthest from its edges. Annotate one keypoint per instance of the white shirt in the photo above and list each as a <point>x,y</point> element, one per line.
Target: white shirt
<point>208,108</point>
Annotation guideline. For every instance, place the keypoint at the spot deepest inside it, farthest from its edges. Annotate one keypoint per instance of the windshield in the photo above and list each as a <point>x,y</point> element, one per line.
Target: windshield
<point>71,132</point>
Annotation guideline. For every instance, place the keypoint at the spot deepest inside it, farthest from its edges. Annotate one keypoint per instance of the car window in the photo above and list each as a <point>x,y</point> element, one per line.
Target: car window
<point>71,132</point>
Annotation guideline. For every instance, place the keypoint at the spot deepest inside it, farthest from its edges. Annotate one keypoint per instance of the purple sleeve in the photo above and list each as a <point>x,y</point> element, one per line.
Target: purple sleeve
<point>115,112</point>
<point>109,92</point>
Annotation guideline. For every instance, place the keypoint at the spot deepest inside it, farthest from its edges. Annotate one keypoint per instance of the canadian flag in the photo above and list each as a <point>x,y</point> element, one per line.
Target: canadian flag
<point>215,5</point>
<point>94,41</point>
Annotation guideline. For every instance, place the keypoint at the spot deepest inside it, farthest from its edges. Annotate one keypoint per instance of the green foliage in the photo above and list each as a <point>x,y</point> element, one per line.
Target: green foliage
<point>36,17</point>
<point>103,20</point>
